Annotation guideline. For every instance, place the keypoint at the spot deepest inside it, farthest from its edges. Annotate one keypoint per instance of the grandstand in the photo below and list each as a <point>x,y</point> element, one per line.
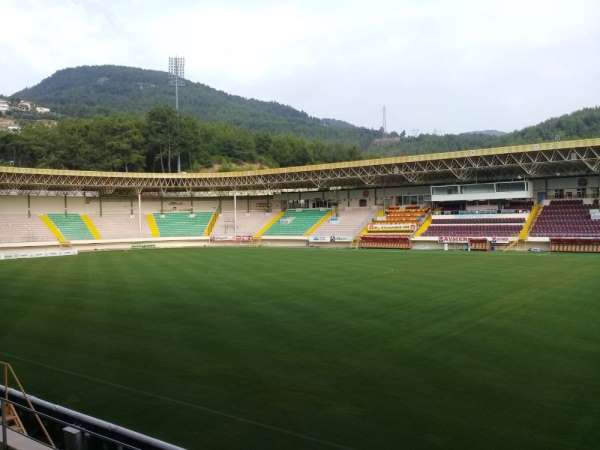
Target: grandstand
<point>430,199</point>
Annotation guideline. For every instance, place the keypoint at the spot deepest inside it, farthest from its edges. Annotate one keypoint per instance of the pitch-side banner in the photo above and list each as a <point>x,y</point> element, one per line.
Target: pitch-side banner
<point>402,227</point>
<point>324,239</point>
<point>231,238</point>
<point>36,253</point>
<point>465,240</point>
<point>453,239</point>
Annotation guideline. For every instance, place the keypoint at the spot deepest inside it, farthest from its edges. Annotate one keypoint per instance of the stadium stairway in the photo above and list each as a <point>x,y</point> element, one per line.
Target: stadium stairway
<point>319,222</point>
<point>120,226</point>
<point>350,221</point>
<point>71,226</point>
<point>211,224</point>
<point>297,222</point>
<point>53,229</point>
<point>365,229</point>
<point>533,214</point>
<point>524,233</point>
<point>269,224</point>
<point>88,222</point>
<point>248,223</point>
<point>180,224</point>
<point>423,228</point>
<point>152,225</point>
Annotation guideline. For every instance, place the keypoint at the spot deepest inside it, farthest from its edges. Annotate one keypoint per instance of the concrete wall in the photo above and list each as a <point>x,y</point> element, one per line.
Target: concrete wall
<point>13,205</point>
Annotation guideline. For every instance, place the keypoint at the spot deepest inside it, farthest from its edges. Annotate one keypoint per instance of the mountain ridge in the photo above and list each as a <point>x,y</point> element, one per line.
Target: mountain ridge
<point>89,91</point>
<point>86,91</point>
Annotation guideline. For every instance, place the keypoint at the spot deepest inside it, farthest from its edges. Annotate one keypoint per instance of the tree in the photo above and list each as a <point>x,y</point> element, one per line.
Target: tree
<point>159,132</point>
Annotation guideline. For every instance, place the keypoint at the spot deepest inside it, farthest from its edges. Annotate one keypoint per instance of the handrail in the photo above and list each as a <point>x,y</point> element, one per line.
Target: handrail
<point>65,423</point>
<point>6,369</point>
<point>88,422</point>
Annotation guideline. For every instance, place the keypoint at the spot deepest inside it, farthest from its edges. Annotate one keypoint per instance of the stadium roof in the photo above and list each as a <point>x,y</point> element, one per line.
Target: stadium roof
<point>560,158</point>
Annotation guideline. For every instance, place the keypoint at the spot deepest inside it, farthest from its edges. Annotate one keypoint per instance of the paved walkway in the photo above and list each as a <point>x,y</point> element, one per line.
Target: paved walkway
<point>17,441</point>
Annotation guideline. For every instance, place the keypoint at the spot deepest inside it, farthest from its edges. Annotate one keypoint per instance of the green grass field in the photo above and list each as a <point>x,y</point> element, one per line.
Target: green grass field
<point>315,349</point>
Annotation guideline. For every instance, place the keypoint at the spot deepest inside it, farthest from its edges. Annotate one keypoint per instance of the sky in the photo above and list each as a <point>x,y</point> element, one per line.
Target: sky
<point>438,66</point>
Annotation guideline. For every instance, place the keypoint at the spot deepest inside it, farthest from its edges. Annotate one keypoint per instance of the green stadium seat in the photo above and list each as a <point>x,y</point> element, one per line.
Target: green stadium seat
<point>71,226</point>
<point>180,224</point>
<point>296,222</point>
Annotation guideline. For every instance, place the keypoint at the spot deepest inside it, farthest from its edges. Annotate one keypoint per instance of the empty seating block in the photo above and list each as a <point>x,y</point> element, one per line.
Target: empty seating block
<point>246,223</point>
<point>479,244</point>
<point>492,220</point>
<point>399,220</point>
<point>579,245</point>
<point>296,222</point>
<point>472,226</point>
<point>407,214</point>
<point>120,226</point>
<point>20,228</point>
<point>348,223</point>
<point>566,218</point>
<point>181,224</point>
<point>71,226</point>
<point>472,230</point>
<point>385,241</point>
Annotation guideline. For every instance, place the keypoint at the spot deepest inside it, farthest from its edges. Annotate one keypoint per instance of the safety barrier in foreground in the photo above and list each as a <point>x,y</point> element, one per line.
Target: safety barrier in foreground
<point>28,422</point>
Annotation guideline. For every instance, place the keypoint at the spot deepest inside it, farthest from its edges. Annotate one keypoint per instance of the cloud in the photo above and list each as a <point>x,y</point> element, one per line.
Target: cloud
<point>450,66</point>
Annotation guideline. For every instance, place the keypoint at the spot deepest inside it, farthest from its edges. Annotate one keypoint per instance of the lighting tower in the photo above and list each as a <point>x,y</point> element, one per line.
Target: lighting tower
<point>384,123</point>
<point>176,74</point>
<point>176,77</point>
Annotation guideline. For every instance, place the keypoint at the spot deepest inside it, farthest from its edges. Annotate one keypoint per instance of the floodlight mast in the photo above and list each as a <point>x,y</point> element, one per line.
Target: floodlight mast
<point>176,77</point>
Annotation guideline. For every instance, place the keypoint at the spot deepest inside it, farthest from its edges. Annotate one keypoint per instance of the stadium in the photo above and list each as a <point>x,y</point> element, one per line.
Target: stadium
<point>403,302</point>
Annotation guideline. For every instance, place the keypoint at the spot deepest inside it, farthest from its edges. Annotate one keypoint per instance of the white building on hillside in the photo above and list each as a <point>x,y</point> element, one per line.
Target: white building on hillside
<point>4,106</point>
<point>42,110</point>
<point>24,106</point>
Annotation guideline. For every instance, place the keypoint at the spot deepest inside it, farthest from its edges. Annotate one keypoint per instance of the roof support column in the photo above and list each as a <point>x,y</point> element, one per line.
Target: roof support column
<point>234,213</point>
<point>140,211</point>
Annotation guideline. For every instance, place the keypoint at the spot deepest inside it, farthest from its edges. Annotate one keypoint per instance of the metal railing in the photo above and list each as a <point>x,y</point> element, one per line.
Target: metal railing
<point>8,373</point>
<point>55,427</point>
<point>83,438</point>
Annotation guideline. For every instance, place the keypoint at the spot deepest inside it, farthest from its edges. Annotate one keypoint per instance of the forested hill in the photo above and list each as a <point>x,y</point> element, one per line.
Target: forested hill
<point>584,123</point>
<point>93,90</point>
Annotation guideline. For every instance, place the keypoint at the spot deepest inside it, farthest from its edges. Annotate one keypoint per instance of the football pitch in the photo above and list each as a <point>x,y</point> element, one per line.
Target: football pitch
<point>257,348</point>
